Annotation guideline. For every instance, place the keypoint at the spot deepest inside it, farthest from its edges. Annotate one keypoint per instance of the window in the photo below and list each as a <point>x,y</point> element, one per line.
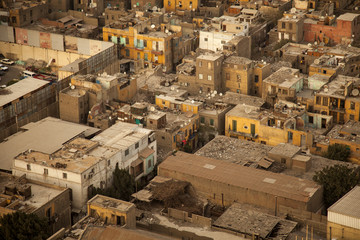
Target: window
<point>283,160</point>
<point>227,76</point>
<point>13,19</point>
<point>24,18</point>
<point>290,26</point>
<point>324,71</point>
<point>127,52</point>
<point>28,166</point>
<point>256,78</point>
<point>109,162</point>
<point>127,41</point>
<point>223,42</point>
<point>283,25</point>
<point>169,3</point>
<point>211,122</point>
<point>64,175</point>
<point>136,145</point>
<point>126,152</point>
<point>200,63</point>
<point>325,101</point>
<point>202,120</point>
<point>138,56</point>
<point>285,92</point>
<point>239,77</point>
<point>318,100</point>
<point>209,65</point>
<point>145,43</point>
<point>209,77</point>
<point>145,56</point>
<point>311,119</point>
<point>352,117</point>
<point>205,39</point>
<point>352,105</point>
<point>46,171</point>
<point>30,13</point>
<point>201,76</point>
<point>149,163</point>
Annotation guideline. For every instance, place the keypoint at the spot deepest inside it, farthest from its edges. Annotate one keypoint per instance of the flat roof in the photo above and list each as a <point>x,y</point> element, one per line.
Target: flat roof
<point>242,110</point>
<point>47,135</point>
<point>19,89</point>
<point>237,60</point>
<point>209,57</point>
<point>349,204</point>
<point>285,149</point>
<point>240,176</point>
<point>111,203</point>
<point>122,135</point>
<point>236,98</point>
<point>238,218</point>
<point>234,150</point>
<point>348,16</point>
<point>284,77</point>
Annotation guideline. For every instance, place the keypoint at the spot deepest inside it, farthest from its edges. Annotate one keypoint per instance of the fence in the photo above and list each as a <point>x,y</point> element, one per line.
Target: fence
<point>184,216</point>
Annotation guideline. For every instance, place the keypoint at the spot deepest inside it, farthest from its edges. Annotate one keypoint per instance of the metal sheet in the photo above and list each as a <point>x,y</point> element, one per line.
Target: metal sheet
<point>71,44</point>
<point>34,38</point>
<point>45,40</point>
<point>7,34</point>
<point>21,36</point>
<point>83,46</point>
<point>57,42</point>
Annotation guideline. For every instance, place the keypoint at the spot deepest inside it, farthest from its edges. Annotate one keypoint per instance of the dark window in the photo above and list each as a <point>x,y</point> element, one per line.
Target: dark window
<point>46,171</point>
<point>13,19</point>
<point>318,100</point>
<point>136,145</point>
<point>211,122</point>
<point>126,152</point>
<point>325,101</point>
<point>256,78</point>
<point>352,117</point>
<point>311,119</point>
<point>227,76</point>
<point>202,120</point>
<point>352,105</point>
<point>283,25</point>
<point>28,167</point>
<point>64,175</point>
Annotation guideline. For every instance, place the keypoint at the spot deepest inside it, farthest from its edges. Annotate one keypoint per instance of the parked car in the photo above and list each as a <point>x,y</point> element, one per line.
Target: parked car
<point>3,68</point>
<point>7,61</point>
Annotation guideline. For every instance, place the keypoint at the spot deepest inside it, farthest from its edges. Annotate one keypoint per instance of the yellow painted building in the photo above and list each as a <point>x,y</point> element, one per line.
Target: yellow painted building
<point>181,5</point>
<point>113,211</point>
<point>180,104</point>
<point>153,47</point>
<point>250,123</point>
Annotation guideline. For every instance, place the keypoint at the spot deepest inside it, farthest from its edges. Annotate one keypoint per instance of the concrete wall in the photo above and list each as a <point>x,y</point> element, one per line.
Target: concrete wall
<point>23,52</point>
<point>184,216</point>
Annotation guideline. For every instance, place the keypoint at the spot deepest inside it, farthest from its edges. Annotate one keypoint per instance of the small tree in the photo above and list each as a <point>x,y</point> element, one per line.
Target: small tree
<point>337,180</point>
<point>339,152</point>
<point>123,185</point>
<point>23,226</point>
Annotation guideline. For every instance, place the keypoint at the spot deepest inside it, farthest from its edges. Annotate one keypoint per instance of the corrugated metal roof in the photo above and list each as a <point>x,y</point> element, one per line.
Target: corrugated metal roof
<point>244,177</point>
<point>349,204</point>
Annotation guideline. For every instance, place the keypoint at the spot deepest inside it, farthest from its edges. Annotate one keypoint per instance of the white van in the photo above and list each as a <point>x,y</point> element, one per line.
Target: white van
<point>28,74</point>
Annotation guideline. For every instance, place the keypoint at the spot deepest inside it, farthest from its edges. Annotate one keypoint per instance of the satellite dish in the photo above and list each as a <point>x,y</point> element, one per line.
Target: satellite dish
<point>317,61</point>
<point>155,8</point>
<point>152,26</point>
<point>166,31</point>
<point>70,84</point>
<point>172,88</point>
<point>152,108</point>
<point>215,92</point>
<point>166,84</point>
<point>177,90</point>
<point>200,91</point>
<point>247,110</point>
<point>293,10</point>
<point>192,101</point>
<point>355,92</point>
<point>134,6</point>
<point>220,94</point>
<point>213,95</point>
<point>72,87</point>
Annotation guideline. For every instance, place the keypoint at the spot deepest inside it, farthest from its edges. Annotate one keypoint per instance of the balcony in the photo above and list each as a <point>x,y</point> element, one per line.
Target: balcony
<point>247,135</point>
<point>157,52</point>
